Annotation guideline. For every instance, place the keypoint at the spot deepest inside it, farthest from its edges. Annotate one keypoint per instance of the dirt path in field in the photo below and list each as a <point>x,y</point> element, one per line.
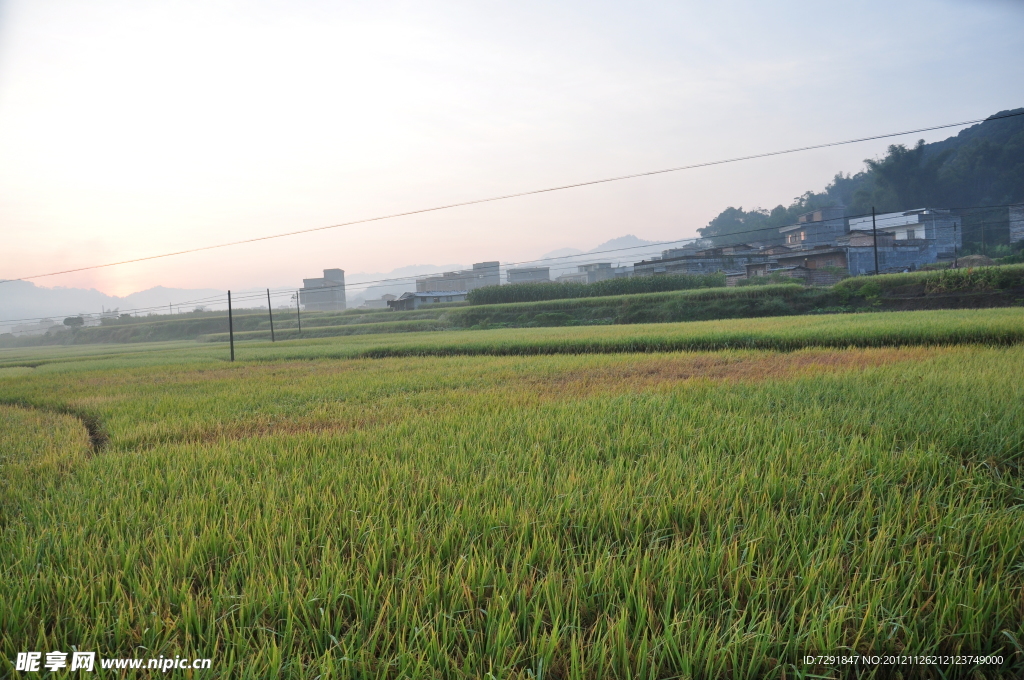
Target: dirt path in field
<point>649,372</point>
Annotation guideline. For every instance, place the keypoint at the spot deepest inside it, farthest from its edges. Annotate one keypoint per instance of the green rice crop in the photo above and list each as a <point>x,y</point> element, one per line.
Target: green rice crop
<point>37,449</point>
<point>990,326</point>
<point>324,331</point>
<point>694,515</point>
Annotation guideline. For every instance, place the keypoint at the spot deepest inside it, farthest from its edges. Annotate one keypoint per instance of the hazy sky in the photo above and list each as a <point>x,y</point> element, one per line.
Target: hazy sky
<point>133,128</point>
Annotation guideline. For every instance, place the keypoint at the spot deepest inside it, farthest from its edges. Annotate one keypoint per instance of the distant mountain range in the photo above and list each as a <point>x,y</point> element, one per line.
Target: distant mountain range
<point>394,282</point>
<point>624,249</point>
<point>25,300</point>
<point>620,243</point>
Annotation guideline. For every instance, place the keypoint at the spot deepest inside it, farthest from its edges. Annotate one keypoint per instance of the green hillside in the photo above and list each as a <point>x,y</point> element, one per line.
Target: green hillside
<point>981,166</point>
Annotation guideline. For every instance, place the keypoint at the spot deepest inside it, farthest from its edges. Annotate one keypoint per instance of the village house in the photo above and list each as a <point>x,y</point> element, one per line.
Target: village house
<point>410,301</point>
<point>939,227</point>
<point>818,227</point>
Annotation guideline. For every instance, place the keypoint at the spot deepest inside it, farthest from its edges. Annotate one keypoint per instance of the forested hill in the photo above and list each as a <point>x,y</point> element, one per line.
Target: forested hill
<point>981,166</point>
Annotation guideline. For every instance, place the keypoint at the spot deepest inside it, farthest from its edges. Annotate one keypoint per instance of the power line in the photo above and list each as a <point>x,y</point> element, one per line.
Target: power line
<point>412,277</point>
<point>528,193</point>
<point>254,294</point>
<point>505,265</point>
<point>257,295</point>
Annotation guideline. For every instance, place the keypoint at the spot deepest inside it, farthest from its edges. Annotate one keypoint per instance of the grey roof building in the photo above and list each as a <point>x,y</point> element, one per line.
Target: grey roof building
<point>410,301</point>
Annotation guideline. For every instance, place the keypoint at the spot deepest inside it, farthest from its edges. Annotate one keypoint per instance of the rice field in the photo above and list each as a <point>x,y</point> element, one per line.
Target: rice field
<point>706,500</point>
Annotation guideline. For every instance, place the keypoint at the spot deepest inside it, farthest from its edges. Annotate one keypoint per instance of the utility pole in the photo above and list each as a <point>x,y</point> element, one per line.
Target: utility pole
<point>298,311</point>
<point>983,239</point>
<point>874,237</point>
<point>271,311</point>
<point>170,310</point>
<point>231,328</point>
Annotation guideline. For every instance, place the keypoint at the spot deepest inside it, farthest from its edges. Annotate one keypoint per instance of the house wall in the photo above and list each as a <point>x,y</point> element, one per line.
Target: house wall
<point>1016,223</point>
<point>759,269</point>
<point>528,274</point>
<point>815,234</point>
<point>597,272</point>
<point>326,294</point>
<point>812,277</point>
<point>933,226</point>
<point>441,296</point>
<point>861,259</point>
<point>813,260</point>
<point>322,299</point>
<point>697,265</point>
<point>444,282</point>
<point>408,302</point>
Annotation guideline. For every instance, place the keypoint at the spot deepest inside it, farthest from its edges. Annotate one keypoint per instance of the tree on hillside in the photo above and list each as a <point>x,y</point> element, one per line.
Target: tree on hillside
<point>983,165</point>
<point>735,225</point>
<point>905,179</point>
<point>986,173</point>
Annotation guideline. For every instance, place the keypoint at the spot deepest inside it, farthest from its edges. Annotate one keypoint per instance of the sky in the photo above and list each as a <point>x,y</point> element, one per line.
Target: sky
<point>133,128</point>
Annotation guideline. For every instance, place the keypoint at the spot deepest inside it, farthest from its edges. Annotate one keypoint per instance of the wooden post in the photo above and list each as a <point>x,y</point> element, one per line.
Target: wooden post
<point>874,237</point>
<point>231,328</point>
<point>271,311</point>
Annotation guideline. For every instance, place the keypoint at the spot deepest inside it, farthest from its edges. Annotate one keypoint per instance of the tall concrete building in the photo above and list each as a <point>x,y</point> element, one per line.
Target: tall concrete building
<point>482,274</point>
<point>325,294</point>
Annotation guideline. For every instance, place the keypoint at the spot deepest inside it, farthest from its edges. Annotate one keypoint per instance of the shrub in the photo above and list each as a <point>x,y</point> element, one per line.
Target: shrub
<point>537,292</point>
<point>774,277</point>
<point>978,279</point>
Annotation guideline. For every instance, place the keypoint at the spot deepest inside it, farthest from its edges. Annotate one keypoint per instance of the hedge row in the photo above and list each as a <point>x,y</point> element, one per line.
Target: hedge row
<point>537,292</point>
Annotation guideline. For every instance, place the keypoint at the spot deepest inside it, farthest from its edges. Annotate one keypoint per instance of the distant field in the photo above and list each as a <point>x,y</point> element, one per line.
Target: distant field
<point>611,302</point>
<point>549,502</point>
<point>999,326</point>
